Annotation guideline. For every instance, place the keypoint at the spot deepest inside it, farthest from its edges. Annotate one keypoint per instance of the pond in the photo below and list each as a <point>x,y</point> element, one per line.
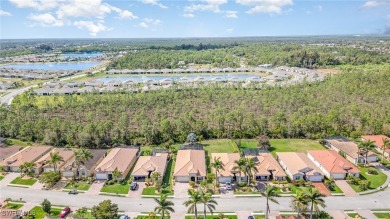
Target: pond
<point>54,66</point>
<point>81,55</point>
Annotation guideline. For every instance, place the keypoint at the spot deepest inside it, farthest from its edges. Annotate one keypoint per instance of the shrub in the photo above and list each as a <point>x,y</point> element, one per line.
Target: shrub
<point>364,185</point>
<point>372,171</point>
<point>110,182</point>
<point>46,206</point>
<point>353,180</point>
<point>361,165</point>
<point>241,184</point>
<point>192,184</point>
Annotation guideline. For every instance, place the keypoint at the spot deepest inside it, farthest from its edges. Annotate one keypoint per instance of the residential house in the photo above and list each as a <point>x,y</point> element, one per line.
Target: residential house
<point>121,159</point>
<point>349,149</point>
<point>6,152</point>
<point>28,154</point>
<point>87,169</point>
<point>332,164</point>
<point>147,165</point>
<point>228,160</point>
<point>190,165</point>
<point>378,141</point>
<point>299,166</point>
<point>267,166</point>
<point>43,164</point>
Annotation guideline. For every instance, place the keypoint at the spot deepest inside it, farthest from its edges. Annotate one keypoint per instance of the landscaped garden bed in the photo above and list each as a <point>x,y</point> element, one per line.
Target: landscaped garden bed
<point>370,178</point>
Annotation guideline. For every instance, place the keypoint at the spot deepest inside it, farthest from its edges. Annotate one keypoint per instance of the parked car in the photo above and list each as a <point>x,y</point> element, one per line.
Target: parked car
<point>73,192</point>
<point>251,217</point>
<point>228,185</point>
<point>133,186</point>
<point>64,212</point>
<point>124,216</point>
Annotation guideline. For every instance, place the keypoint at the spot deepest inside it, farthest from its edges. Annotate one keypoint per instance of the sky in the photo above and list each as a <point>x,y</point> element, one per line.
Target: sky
<point>20,19</point>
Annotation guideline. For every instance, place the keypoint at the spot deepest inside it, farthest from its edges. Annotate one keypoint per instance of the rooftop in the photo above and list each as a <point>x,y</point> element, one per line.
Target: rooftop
<point>190,162</point>
<point>266,163</point>
<point>298,163</point>
<point>228,160</point>
<point>28,154</point>
<point>333,162</point>
<point>5,152</point>
<point>117,158</point>
<point>145,164</point>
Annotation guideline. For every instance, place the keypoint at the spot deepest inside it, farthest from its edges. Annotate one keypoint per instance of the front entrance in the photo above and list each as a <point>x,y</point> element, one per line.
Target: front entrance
<point>109,176</point>
<point>193,178</point>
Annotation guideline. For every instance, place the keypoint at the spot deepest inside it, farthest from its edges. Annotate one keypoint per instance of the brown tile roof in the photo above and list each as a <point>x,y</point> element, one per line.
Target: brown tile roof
<point>65,153</point>
<point>28,154</point>
<point>377,139</point>
<point>348,147</point>
<point>266,162</point>
<point>156,163</point>
<point>190,161</point>
<point>228,160</point>
<point>97,154</point>
<point>118,158</point>
<point>333,162</point>
<point>298,163</point>
<point>5,152</point>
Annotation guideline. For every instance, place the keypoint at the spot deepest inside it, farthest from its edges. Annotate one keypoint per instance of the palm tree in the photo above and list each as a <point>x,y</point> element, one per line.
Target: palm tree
<point>269,194</point>
<point>193,200</point>
<point>55,159</point>
<point>250,167</point>
<point>315,198</point>
<point>218,165</point>
<point>208,202</point>
<point>116,173</point>
<point>299,203</point>
<point>27,168</point>
<point>239,166</point>
<point>366,146</point>
<point>164,206</point>
<point>386,145</point>
<point>82,155</point>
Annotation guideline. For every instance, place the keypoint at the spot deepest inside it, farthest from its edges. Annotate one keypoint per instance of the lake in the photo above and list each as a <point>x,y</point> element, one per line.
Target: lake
<point>54,66</point>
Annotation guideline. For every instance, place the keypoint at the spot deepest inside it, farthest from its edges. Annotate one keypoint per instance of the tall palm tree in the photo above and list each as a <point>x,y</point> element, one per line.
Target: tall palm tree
<point>207,200</point>
<point>315,198</point>
<point>299,203</point>
<point>365,147</point>
<point>82,155</point>
<point>251,168</point>
<point>193,200</point>
<point>239,166</point>
<point>55,159</point>
<point>269,194</point>
<point>218,165</point>
<point>386,145</point>
<point>27,168</point>
<point>164,206</point>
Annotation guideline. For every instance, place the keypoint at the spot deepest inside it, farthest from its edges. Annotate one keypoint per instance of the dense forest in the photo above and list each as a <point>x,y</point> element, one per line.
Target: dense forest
<point>350,103</point>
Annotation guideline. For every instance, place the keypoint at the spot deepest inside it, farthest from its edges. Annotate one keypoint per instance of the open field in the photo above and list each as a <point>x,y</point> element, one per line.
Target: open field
<point>286,145</point>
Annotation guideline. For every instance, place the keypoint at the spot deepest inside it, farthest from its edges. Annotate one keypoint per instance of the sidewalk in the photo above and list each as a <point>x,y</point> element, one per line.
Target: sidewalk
<point>8,178</point>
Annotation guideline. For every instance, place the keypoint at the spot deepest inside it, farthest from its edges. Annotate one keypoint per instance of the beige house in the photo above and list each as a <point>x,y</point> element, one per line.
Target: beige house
<point>228,159</point>
<point>299,166</point>
<point>146,165</point>
<point>268,167</point>
<point>190,166</point>
<point>350,149</point>
<point>121,159</point>
<point>87,169</point>
<point>378,141</point>
<point>43,165</point>
<point>28,154</point>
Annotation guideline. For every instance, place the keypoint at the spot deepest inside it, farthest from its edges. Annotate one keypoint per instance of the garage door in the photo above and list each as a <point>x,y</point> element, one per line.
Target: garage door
<point>224,179</point>
<point>316,178</point>
<point>101,176</point>
<point>182,178</point>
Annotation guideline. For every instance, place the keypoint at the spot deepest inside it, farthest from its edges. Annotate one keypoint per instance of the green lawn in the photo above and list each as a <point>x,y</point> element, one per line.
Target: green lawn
<point>167,180</point>
<point>27,182</point>
<point>286,145</point>
<point>382,215</point>
<point>149,191</point>
<point>78,186</point>
<point>40,214</point>
<point>13,206</point>
<point>116,189</point>
<point>352,214</point>
<point>219,146</point>
<point>12,141</point>
<point>336,189</point>
<point>376,180</point>
<point>214,216</point>
<point>1,177</point>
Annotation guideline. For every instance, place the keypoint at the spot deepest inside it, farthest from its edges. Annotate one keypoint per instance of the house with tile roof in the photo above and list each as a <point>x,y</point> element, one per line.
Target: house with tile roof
<point>121,159</point>
<point>378,141</point>
<point>228,160</point>
<point>6,152</point>
<point>268,167</point>
<point>190,166</point>
<point>43,165</point>
<point>332,164</point>
<point>87,169</point>
<point>28,154</point>
<point>147,165</point>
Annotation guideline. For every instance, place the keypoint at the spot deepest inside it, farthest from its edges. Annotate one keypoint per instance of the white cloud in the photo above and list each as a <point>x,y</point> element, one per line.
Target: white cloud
<point>5,13</point>
<point>147,22</point>
<point>265,6</point>
<point>230,30</point>
<point>188,15</point>
<point>206,5</point>
<point>231,14</point>
<point>370,4</point>
<point>123,14</point>
<point>92,28</point>
<point>143,25</point>
<point>46,20</point>
<point>154,2</point>
<point>36,4</point>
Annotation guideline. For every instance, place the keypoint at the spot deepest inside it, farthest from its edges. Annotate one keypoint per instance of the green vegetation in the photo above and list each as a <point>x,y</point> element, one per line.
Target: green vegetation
<point>1,177</point>
<point>219,146</point>
<point>40,214</point>
<point>24,181</point>
<point>382,215</point>
<point>81,185</point>
<point>375,180</point>
<point>352,214</point>
<point>285,145</point>
<point>116,189</point>
<point>11,141</point>
<point>13,206</point>
<point>215,216</point>
<point>149,191</point>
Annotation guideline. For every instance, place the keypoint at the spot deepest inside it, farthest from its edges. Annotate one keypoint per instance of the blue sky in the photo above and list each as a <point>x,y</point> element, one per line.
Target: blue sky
<point>190,18</point>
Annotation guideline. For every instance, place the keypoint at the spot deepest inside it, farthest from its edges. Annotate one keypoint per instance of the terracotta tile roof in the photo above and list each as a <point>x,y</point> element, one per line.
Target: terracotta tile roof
<point>28,154</point>
<point>298,163</point>
<point>65,153</point>
<point>377,139</point>
<point>348,147</point>
<point>265,163</point>
<point>333,162</point>
<point>190,162</point>
<point>117,158</point>
<point>6,152</point>
<point>156,163</point>
<point>228,161</point>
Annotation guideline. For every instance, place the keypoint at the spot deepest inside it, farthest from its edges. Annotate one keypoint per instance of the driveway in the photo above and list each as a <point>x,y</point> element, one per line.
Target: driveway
<point>8,178</point>
<point>226,193</point>
<point>322,188</point>
<point>344,186</point>
<point>138,192</point>
<point>181,190</point>
<point>95,188</point>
